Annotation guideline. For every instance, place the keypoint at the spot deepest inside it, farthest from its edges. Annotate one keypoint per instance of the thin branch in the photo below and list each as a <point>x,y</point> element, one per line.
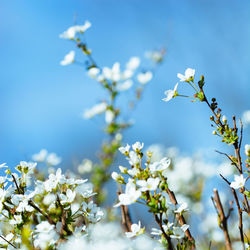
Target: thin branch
<point>228,158</point>
<point>180,217</point>
<point>223,218</point>
<point>240,226</point>
<point>7,241</point>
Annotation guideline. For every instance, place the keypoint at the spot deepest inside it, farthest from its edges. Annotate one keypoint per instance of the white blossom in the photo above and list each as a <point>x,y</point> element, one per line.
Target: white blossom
<point>85,167</point>
<point>137,146</point>
<point>144,78</point>
<point>150,184</point>
<point>130,195</point>
<point>109,116</point>
<point>73,30</point>
<point>182,208</point>
<point>246,118</point>
<point>133,158</point>
<point>41,156</point>
<point>133,63</point>
<point>124,85</point>
<point>95,110</point>
<point>247,150</point>
<point>179,232</point>
<point>135,230</point>
<point>170,94</point>
<point>69,197</point>
<point>113,74</point>
<point>189,75</point>
<point>93,72</point>
<point>68,59</point>
<point>239,182</point>
<point>124,150</point>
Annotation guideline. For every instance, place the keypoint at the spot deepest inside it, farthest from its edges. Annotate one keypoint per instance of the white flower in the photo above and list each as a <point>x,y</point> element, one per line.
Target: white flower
<point>117,177</point>
<point>171,93</point>
<point>224,119</point>
<point>69,197</point>
<point>123,169</point>
<point>239,182</point>
<point>246,118</point>
<point>160,166</point>
<point>247,150</point>
<point>93,72</point>
<point>109,116</point>
<point>133,63</point>
<point>112,74</point>
<point>53,159</point>
<point>179,232</point>
<point>124,150</point>
<point>95,110</point>
<point>137,146</point>
<point>133,172</point>
<point>189,75</point>
<point>130,195</point>
<point>17,220</point>
<point>68,59</point>
<point>41,156</point>
<point>182,208</point>
<point>125,85</point>
<point>49,199</point>
<point>133,158</point>
<point>71,31</point>
<point>135,230</point>
<point>85,167</point>
<point>151,184</point>
<point>144,78</point>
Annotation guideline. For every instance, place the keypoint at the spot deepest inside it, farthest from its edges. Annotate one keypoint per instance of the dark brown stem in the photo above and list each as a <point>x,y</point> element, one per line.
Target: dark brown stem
<point>159,222</point>
<point>7,241</point>
<point>240,226</point>
<point>50,220</point>
<point>180,217</point>
<point>223,218</point>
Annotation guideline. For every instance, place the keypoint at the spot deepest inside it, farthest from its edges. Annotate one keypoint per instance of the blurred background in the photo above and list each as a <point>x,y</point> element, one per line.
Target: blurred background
<point>42,102</point>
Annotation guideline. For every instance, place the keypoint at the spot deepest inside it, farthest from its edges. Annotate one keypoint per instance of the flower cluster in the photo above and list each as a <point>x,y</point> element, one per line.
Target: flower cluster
<point>147,184</point>
<point>43,213</point>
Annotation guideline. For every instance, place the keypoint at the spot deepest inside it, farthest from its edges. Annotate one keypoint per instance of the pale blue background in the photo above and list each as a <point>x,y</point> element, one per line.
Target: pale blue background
<point>41,101</point>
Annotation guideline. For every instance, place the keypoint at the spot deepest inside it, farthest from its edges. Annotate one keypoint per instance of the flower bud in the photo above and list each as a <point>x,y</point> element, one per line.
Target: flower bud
<point>224,119</point>
<point>247,150</point>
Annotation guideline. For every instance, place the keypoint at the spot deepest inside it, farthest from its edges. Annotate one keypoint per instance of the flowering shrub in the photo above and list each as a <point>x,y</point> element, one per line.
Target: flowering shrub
<point>51,210</point>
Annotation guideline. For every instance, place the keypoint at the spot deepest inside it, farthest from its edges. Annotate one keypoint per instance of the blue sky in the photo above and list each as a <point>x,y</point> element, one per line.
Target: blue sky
<point>42,102</point>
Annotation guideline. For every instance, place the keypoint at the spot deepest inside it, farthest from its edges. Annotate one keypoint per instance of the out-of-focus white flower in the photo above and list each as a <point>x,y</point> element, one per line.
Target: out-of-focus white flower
<point>95,110</point>
<point>150,184</point>
<point>126,74</point>
<point>189,75</point>
<point>182,208</point>
<point>41,156</point>
<point>171,93</point>
<point>49,199</point>
<point>239,182</point>
<point>144,78</point>
<point>85,167</point>
<point>130,196</point>
<point>117,177</point>
<point>53,159</point>
<point>73,30</point>
<point>155,56</point>
<point>93,72</point>
<point>179,232</point>
<point>109,116</point>
<point>135,230</point>
<point>247,150</point>
<point>124,85</point>
<point>138,146</point>
<point>124,150</point>
<point>133,63</point>
<point>112,74</point>
<point>68,59</point>
<point>3,165</point>
<point>9,238</point>
<point>246,118</point>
